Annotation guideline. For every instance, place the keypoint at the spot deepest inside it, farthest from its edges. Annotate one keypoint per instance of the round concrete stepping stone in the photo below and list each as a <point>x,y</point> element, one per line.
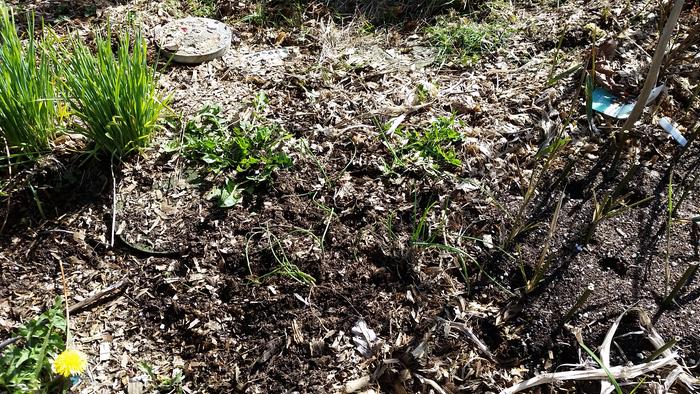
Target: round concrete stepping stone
<point>194,40</point>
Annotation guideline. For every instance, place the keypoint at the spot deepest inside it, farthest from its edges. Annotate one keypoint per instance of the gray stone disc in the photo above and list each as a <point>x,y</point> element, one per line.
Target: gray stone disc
<point>194,40</point>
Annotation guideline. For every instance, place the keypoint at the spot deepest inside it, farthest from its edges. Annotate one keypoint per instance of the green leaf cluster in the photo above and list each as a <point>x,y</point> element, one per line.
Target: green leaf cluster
<point>25,366</point>
<point>248,153</point>
<point>432,148</point>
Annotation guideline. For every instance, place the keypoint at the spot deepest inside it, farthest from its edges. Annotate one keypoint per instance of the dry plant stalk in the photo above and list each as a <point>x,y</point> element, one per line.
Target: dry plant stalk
<point>691,383</point>
<point>618,372</point>
<point>655,67</point>
<point>9,176</point>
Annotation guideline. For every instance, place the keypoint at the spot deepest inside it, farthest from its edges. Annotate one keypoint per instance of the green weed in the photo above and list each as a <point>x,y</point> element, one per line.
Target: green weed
<point>284,267</point>
<point>466,40</point>
<point>113,94</point>
<point>202,8</point>
<point>276,13</point>
<point>432,148</point>
<point>612,204</point>
<point>257,17</point>
<point>28,109</point>
<point>252,150</point>
<point>164,384</point>
<point>25,367</point>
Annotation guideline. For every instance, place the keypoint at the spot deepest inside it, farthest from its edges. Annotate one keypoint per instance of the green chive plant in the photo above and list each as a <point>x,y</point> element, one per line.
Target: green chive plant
<point>547,155</point>
<point>113,94</point>
<point>424,237</point>
<point>28,107</point>
<point>544,260</point>
<point>689,273</point>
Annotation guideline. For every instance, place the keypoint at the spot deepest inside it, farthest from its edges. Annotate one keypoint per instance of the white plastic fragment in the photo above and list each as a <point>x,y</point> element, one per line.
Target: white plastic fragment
<point>364,338</point>
<point>105,351</point>
<point>666,124</point>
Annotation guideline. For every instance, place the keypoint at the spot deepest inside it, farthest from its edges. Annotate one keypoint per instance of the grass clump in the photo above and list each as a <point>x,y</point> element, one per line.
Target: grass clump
<point>202,8</point>
<point>161,383</point>
<point>25,366</point>
<point>465,40</point>
<point>248,153</point>
<point>284,266</point>
<point>113,94</point>
<point>432,148</point>
<point>27,92</point>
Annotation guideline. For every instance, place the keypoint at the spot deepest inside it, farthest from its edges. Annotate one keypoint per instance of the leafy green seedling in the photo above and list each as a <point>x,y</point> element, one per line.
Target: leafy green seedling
<point>248,153</point>
<point>172,384</point>
<point>228,195</point>
<point>432,148</point>
<point>25,366</point>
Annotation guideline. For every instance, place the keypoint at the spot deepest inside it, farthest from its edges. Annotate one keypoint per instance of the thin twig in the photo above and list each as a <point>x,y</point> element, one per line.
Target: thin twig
<point>65,300</point>
<point>9,192</point>
<point>8,342</point>
<point>99,296</point>
<point>114,202</point>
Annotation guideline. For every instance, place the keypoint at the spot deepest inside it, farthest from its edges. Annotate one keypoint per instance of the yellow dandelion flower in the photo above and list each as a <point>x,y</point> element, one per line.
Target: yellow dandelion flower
<point>70,362</point>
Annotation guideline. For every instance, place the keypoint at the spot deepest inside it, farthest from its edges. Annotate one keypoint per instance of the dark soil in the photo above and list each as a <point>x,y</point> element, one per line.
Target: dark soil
<point>210,307</point>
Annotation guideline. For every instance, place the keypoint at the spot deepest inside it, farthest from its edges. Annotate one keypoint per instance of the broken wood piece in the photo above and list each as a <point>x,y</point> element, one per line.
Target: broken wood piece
<point>99,296</point>
<point>606,385</point>
<point>8,342</point>
<point>463,328</point>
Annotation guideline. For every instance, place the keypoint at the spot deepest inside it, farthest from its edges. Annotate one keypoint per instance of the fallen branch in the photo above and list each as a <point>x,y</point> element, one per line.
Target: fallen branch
<point>8,342</point>
<point>99,296</point>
